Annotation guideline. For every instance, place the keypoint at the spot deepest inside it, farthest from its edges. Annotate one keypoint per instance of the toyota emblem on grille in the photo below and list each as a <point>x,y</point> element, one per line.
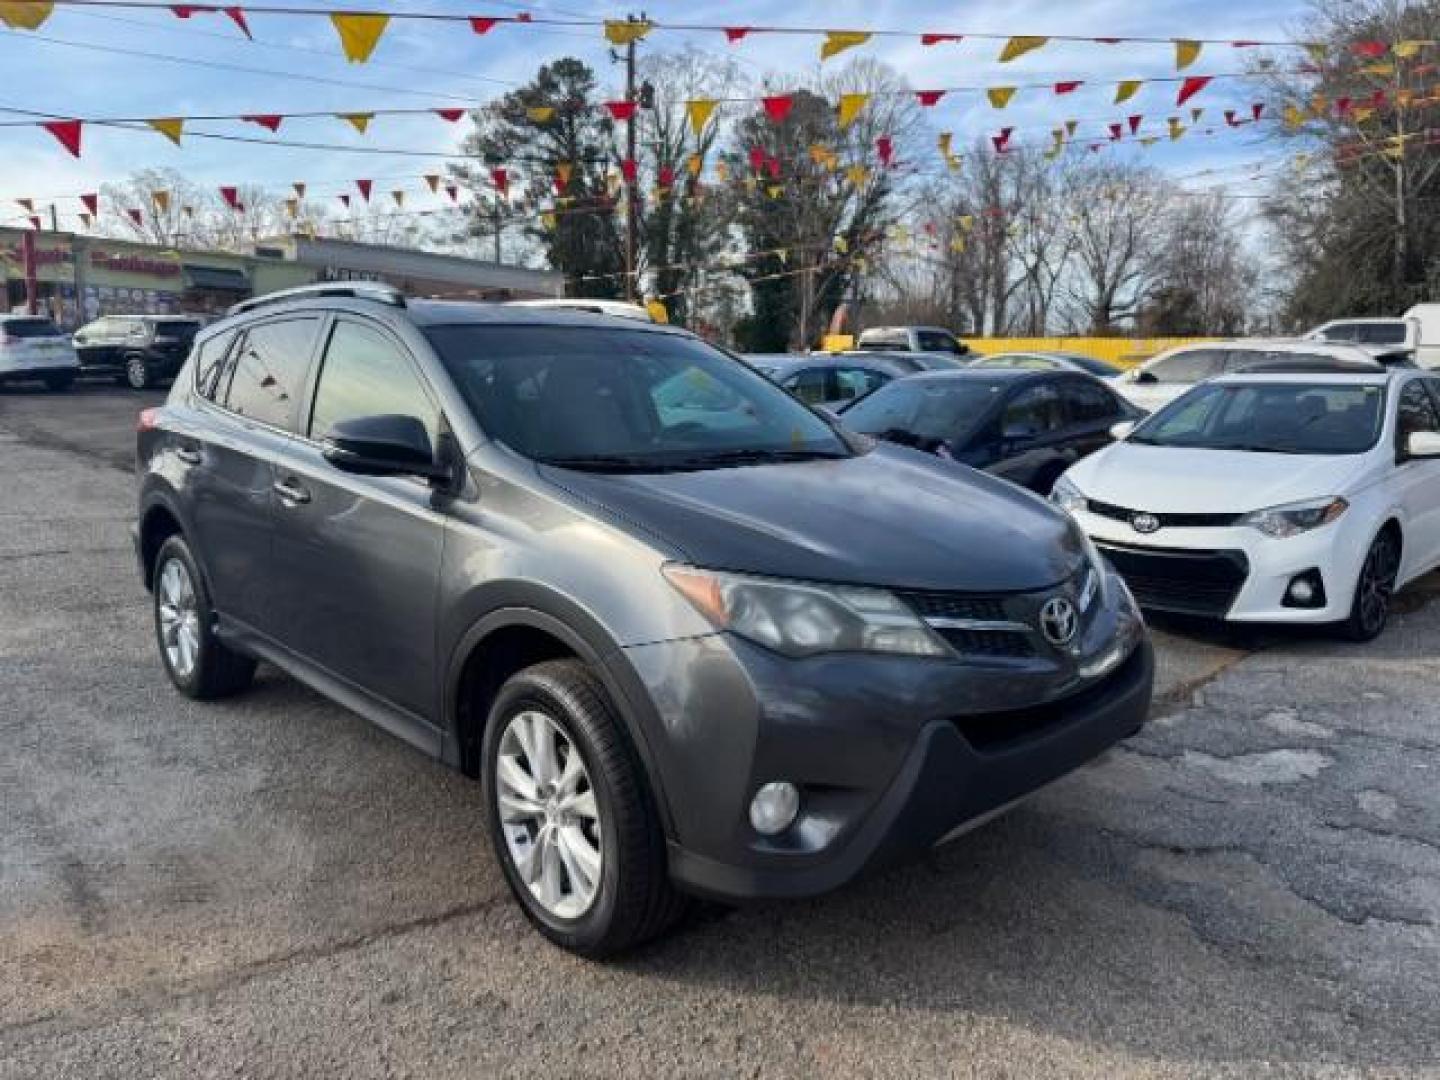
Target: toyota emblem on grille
<point>1145,523</point>
<point>1058,621</point>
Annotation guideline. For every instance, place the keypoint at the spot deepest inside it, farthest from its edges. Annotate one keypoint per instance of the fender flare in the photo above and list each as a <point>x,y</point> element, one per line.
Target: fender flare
<point>525,604</point>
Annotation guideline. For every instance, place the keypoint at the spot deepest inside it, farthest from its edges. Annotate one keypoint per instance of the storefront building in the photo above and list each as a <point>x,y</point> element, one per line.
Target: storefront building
<point>80,278</point>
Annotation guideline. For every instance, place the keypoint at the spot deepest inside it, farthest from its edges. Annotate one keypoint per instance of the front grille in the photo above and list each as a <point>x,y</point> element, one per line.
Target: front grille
<point>942,605</point>
<point>1167,521</point>
<point>988,642</point>
<point>1187,582</point>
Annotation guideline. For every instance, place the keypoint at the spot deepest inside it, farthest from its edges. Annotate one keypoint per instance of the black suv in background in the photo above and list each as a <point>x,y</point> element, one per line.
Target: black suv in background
<point>140,350</point>
<point>691,636</point>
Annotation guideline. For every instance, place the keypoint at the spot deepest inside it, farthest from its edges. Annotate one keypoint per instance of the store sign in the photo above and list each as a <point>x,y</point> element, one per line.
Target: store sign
<point>134,264</point>
<point>10,255</point>
<point>340,273</point>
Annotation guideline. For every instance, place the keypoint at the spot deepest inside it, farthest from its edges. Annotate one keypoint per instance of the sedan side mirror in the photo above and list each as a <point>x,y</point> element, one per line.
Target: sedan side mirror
<point>1121,431</point>
<point>1143,377</point>
<point>387,445</point>
<point>1422,444</point>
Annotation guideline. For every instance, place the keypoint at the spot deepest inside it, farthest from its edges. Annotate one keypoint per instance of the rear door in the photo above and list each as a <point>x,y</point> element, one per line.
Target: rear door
<point>254,383</point>
<point>1091,411</point>
<point>1418,409</point>
<point>357,558</point>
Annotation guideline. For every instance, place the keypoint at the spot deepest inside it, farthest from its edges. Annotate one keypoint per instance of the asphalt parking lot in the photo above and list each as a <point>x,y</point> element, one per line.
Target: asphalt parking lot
<point>270,887</point>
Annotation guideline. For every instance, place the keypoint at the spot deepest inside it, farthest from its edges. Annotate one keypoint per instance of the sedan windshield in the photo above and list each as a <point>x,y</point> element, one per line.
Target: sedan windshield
<point>626,400</point>
<point>924,411</point>
<point>1274,418</point>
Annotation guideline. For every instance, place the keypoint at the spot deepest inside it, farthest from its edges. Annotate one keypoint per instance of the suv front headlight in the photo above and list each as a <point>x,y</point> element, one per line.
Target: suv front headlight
<point>802,619</point>
<point>1067,496</point>
<point>1295,518</point>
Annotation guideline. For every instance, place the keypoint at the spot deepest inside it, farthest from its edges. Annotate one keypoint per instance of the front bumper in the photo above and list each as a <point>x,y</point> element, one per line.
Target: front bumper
<point>1234,573</point>
<point>891,754</point>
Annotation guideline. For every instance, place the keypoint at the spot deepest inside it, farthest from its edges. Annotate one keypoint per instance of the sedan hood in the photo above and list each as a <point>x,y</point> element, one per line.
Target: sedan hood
<point>890,517</point>
<point>1182,480</point>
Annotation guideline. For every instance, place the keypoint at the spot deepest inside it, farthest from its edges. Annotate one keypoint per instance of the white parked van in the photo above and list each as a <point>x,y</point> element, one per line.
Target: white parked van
<point>1417,330</point>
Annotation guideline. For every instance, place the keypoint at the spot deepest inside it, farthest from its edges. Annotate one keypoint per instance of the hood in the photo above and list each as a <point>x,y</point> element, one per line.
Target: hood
<point>1181,480</point>
<point>891,517</point>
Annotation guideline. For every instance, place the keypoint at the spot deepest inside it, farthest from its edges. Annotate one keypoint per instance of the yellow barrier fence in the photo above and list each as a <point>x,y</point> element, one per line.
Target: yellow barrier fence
<point>1124,352</point>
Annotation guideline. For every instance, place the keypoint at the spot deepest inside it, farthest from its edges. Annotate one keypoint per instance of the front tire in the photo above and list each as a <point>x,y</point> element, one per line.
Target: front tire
<point>1370,608</point>
<point>198,663</point>
<point>570,815</point>
<point>137,373</point>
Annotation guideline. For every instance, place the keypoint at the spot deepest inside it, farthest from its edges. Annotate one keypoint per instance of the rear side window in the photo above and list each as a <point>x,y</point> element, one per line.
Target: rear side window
<point>209,361</point>
<point>1088,403</point>
<point>1197,365</point>
<point>366,374</point>
<point>857,382</point>
<point>811,387</point>
<point>269,371</point>
<point>935,341</point>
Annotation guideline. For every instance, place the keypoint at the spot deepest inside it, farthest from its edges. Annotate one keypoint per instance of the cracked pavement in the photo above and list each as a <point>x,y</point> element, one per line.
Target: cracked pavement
<point>270,887</point>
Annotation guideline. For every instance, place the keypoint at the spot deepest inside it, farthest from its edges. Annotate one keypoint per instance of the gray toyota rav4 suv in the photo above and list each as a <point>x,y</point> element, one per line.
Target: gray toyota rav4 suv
<point>691,637</point>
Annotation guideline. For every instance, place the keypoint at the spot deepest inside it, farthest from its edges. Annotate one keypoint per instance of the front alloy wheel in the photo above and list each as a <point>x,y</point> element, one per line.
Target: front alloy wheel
<point>549,815</point>
<point>1370,609</point>
<point>137,375</point>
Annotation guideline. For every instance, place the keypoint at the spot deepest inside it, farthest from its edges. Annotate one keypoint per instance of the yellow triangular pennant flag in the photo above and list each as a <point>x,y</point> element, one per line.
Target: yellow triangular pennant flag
<point>1019,46</point>
<point>775,191</point>
<point>842,245</point>
<point>837,41</point>
<point>1000,95</point>
<point>1149,141</point>
<point>1318,51</point>
<point>1293,117</point>
<point>1070,126</point>
<point>722,171</point>
<point>172,127</point>
<point>957,244</point>
<point>1186,53</point>
<point>548,220</point>
<point>1196,114</point>
<point>292,207</point>
<point>1381,69</point>
<point>540,114</point>
<point>358,120</point>
<point>1176,128</point>
<point>1404,98</point>
<point>850,106</point>
<point>1127,89</point>
<point>694,164</point>
<point>359,34</point>
<point>857,174</point>
<point>699,111</point>
<point>1054,151</point>
<point>563,171</point>
<point>161,199</point>
<point>624,31</point>
<point>399,197</point>
<point>24,16</point>
<point>432,180</point>
<point>945,142</point>
<point>1360,115</point>
<point>1406,50</point>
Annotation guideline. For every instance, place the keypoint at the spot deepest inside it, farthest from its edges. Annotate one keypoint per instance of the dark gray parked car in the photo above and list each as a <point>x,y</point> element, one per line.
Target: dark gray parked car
<point>140,350</point>
<point>691,636</point>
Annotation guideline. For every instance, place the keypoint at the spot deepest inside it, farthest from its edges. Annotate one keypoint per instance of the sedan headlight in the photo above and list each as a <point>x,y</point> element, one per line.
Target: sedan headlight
<point>801,619</point>
<point>1067,496</point>
<point>1292,519</point>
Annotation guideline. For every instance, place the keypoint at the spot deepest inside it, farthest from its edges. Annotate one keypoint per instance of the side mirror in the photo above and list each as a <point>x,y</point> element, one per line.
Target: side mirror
<point>1122,430</point>
<point>1143,377</point>
<point>386,445</point>
<point>1422,444</point>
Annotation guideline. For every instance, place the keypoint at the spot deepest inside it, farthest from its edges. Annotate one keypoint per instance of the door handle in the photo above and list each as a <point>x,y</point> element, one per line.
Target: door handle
<point>188,454</point>
<point>291,493</point>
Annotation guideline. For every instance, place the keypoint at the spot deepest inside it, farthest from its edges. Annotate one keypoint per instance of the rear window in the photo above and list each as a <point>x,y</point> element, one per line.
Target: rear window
<point>884,339</point>
<point>30,328</point>
<point>176,331</point>
<point>924,410</point>
<point>1381,333</point>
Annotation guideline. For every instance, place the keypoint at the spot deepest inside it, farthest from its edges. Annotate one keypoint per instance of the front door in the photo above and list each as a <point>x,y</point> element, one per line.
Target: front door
<point>1418,409</point>
<point>1031,426</point>
<point>357,558</point>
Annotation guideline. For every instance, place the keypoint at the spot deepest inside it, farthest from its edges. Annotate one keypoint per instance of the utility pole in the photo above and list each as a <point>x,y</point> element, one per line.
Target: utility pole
<point>497,230</point>
<point>632,207</point>
<point>54,219</point>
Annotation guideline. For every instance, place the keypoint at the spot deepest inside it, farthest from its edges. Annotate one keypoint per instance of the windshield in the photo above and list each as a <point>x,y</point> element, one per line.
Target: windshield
<point>1274,418</point>
<point>923,411</point>
<point>177,329</point>
<point>625,400</point>
<point>1095,367</point>
<point>29,328</point>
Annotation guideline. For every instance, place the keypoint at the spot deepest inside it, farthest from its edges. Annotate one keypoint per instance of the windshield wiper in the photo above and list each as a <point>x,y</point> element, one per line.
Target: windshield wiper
<point>722,458</point>
<point>606,463</point>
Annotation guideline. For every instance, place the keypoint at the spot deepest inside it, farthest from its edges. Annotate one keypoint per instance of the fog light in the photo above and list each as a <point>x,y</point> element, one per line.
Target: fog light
<point>1305,590</point>
<point>774,808</point>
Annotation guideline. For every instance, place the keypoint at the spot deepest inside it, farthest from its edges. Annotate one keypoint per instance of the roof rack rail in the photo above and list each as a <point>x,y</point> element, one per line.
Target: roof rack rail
<point>357,290</point>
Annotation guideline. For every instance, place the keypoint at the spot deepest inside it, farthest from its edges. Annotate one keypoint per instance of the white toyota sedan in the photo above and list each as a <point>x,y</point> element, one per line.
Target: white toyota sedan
<point>1305,497</point>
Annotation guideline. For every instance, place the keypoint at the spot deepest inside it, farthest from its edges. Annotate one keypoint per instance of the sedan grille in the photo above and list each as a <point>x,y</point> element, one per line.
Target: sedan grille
<point>1184,581</point>
<point>1164,521</point>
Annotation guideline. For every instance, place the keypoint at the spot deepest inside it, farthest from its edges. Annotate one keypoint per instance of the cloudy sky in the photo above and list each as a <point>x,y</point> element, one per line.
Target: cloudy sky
<point>118,62</point>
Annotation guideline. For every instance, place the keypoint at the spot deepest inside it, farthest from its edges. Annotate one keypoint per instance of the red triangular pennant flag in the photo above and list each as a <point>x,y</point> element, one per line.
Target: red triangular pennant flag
<point>345,201</point>
<point>937,39</point>
<point>136,216</point>
<point>1370,50</point>
<point>364,186</point>
<point>1230,120</point>
<point>501,179</point>
<point>1068,87</point>
<point>67,132</point>
<point>1257,109</point>
<point>237,16</point>
<point>231,196</point>
<point>483,26</point>
<point>736,33</point>
<point>629,170</point>
<point>270,121</point>
<point>757,159</point>
<point>621,110</point>
<point>1002,141</point>
<point>1342,106</point>
<point>1117,132</point>
<point>929,97</point>
<point>453,191</point>
<point>667,176</point>
<point>453,115</point>
<point>1135,122</point>
<point>777,107</point>
<point>35,222</point>
<point>91,203</point>
<point>1192,86</point>
<point>772,166</point>
<point>885,147</point>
